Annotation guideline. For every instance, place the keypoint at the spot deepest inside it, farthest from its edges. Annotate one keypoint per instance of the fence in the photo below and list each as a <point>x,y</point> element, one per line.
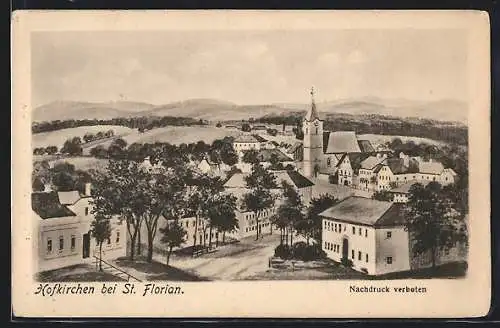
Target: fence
<point>114,270</point>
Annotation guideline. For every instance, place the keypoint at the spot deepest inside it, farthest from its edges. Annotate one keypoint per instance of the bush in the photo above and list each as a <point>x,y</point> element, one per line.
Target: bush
<point>333,178</point>
<point>302,251</point>
<point>283,251</point>
<point>346,262</point>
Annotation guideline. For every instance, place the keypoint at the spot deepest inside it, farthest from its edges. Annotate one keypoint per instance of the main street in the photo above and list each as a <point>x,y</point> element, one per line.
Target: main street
<point>231,262</point>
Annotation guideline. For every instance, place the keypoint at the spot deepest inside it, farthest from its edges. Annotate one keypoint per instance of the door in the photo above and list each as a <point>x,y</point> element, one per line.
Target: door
<point>345,248</point>
<point>346,182</point>
<point>86,245</point>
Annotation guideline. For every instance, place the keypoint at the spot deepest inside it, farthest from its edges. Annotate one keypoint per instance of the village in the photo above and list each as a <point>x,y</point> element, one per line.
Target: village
<point>329,206</point>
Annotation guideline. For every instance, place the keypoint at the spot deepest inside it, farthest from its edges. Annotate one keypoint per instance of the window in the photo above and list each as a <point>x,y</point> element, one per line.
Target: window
<point>366,232</point>
<point>86,211</point>
<point>187,224</point>
<point>73,242</point>
<point>353,230</point>
<point>352,254</point>
<point>366,256</point>
<point>117,237</point>
<point>446,251</point>
<point>49,245</point>
<point>388,260</point>
<point>359,231</point>
<point>388,235</point>
<point>326,245</point>
<point>340,227</point>
<point>359,256</point>
<point>328,161</point>
<point>335,227</point>
<point>61,243</point>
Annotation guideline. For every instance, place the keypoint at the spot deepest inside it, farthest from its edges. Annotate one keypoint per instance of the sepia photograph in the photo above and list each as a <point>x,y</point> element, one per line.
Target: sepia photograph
<point>260,155</point>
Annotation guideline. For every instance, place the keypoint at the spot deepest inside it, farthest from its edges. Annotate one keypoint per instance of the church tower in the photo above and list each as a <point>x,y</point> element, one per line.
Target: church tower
<point>312,127</point>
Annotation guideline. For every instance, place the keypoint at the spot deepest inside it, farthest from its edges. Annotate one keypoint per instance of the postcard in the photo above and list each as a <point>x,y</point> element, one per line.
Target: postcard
<point>279,164</point>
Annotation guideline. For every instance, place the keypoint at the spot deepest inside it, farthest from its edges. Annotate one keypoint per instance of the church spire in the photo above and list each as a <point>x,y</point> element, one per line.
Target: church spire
<point>312,113</point>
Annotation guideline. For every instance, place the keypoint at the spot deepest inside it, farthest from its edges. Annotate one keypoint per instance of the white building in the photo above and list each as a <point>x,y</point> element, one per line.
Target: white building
<point>369,233</point>
<point>247,141</point>
<point>61,224</point>
<point>247,221</point>
<point>401,194</point>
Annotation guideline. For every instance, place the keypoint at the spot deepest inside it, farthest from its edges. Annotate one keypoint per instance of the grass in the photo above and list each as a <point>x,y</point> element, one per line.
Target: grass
<point>83,162</point>
<point>180,134</point>
<point>58,137</point>
<point>155,271</point>
<point>76,273</point>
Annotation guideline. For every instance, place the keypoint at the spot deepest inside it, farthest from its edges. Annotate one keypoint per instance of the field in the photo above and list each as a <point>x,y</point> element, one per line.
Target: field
<point>180,134</point>
<point>83,163</point>
<point>58,137</point>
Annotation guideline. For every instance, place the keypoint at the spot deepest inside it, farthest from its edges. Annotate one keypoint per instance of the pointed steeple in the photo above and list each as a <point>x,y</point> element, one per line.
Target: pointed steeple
<point>312,113</point>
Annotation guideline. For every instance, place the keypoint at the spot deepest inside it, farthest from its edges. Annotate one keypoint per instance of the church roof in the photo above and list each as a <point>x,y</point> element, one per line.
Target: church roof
<point>342,142</point>
<point>312,113</point>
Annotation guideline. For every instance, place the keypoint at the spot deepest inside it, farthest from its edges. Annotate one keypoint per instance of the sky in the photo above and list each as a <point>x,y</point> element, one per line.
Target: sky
<point>248,67</point>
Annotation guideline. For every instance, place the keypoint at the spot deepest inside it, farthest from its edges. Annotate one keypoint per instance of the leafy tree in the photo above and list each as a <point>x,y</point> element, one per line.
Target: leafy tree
<point>101,230</point>
<point>272,132</point>
<point>109,133</point>
<point>222,216</point>
<point>382,195</point>
<point>219,125</point>
<point>314,221</point>
<point>173,236</point>
<point>260,182</point>
<point>38,184</point>
<point>251,156</point>
<point>115,193</point>
<point>246,127</point>
<point>88,137</point>
<point>290,212</point>
<point>433,220</point>
<point>99,152</point>
<point>72,146</point>
<point>51,150</point>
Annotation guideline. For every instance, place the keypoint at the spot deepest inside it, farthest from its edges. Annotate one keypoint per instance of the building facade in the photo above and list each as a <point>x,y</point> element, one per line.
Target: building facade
<point>62,224</point>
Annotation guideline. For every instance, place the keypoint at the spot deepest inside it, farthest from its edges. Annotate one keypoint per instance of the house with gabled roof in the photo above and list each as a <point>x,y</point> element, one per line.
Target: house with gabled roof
<point>61,230</point>
<point>368,233</point>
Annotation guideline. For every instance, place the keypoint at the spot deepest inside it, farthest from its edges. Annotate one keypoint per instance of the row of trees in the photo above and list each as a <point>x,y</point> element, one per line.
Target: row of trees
<point>143,198</point>
<point>378,124</point>
<point>143,122</point>
<point>49,150</point>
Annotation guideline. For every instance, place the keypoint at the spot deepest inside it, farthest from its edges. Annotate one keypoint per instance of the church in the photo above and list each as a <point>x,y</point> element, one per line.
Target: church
<point>323,151</point>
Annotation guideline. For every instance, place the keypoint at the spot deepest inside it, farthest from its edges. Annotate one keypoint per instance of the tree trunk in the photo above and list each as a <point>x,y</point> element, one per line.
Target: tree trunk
<point>217,238</point>
<point>132,245</point>
<point>291,237</point>
<point>257,226</point>
<point>139,245</point>
<point>169,253</point>
<point>100,256</point>
<point>433,257</point>
<point>195,231</point>
<point>223,237</point>
<point>210,237</point>
<point>150,247</point>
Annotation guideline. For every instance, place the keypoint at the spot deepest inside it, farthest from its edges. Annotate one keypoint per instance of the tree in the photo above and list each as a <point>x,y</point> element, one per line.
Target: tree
<point>115,193</point>
<point>38,184</point>
<point>434,220</point>
<point>101,230</point>
<point>246,127</point>
<point>318,205</point>
<point>222,216</point>
<point>272,132</point>
<point>109,133</point>
<point>219,125</point>
<point>72,146</point>
<point>99,152</point>
<point>173,236</point>
<point>51,150</point>
<point>251,157</point>
<point>260,182</point>
<point>382,195</point>
<point>290,212</point>
<point>88,137</point>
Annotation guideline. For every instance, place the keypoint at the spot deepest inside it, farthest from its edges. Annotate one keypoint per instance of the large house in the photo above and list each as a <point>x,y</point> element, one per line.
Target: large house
<point>62,223</point>
<point>323,149</point>
<point>371,234</point>
<point>247,141</point>
<point>247,221</point>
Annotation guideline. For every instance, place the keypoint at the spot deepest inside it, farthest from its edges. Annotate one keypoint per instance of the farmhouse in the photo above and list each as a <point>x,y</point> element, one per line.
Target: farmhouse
<point>248,141</point>
<point>401,194</point>
<point>61,226</point>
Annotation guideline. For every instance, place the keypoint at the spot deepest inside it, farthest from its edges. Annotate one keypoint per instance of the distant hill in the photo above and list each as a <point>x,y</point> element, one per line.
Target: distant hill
<point>218,110</point>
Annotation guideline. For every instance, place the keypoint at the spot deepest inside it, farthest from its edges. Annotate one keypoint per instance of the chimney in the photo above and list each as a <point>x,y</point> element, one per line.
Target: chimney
<point>87,189</point>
